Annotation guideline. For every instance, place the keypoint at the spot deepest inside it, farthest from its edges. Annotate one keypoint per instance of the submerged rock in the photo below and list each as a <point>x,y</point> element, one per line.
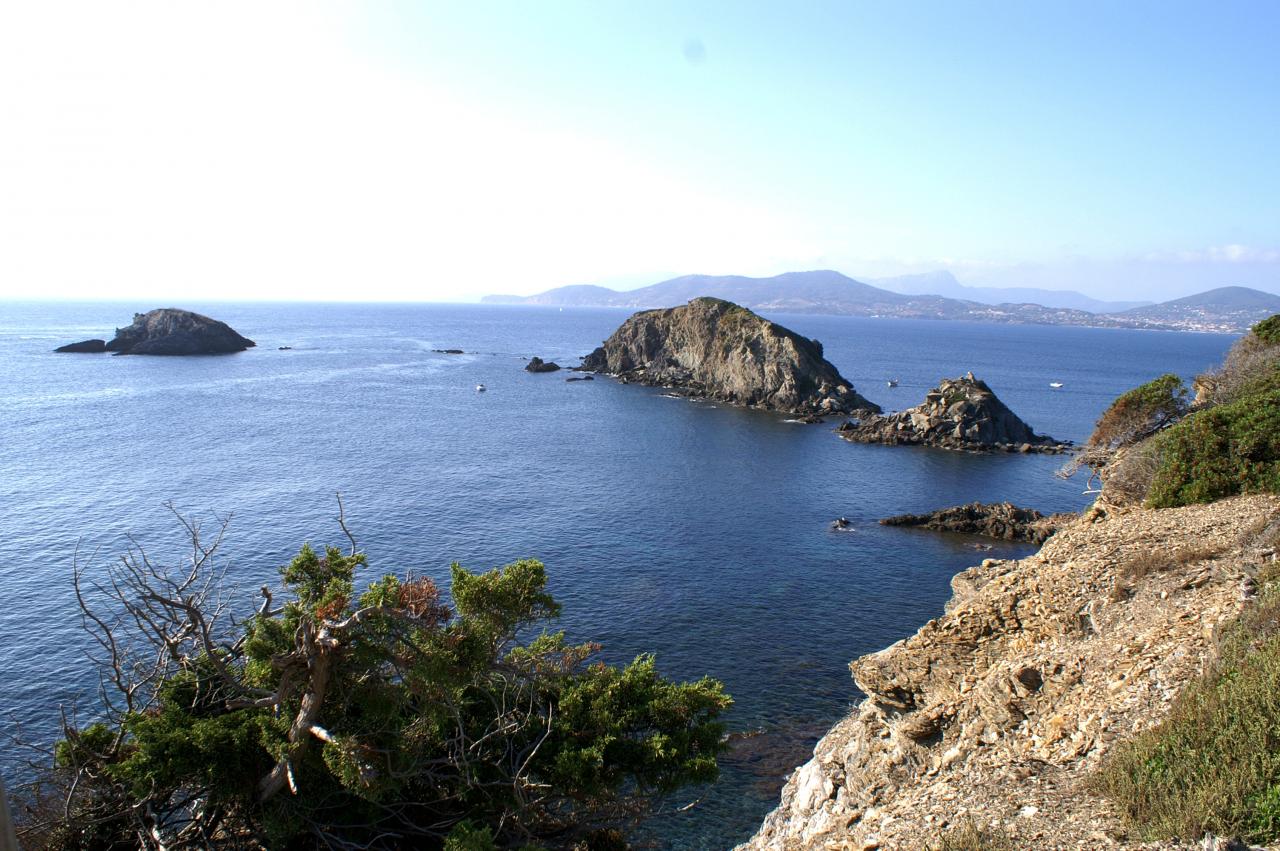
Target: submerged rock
<point>715,349</point>
<point>581,378</point>
<point>1002,520</point>
<point>960,413</point>
<point>84,347</point>
<point>537,364</point>
<point>170,331</point>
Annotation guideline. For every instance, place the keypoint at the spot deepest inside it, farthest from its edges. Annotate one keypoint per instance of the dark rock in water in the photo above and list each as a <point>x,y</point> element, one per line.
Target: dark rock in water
<point>286,348</point>
<point>537,364</point>
<point>449,351</point>
<point>84,347</point>
<point>715,349</point>
<point>960,413</point>
<point>1002,520</point>
<point>170,331</point>
<point>581,378</point>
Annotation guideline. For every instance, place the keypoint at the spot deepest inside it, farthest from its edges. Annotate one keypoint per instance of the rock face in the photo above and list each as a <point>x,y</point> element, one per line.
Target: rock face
<point>960,413</point>
<point>84,347</point>
<point>715,349</point>
<point>1002,520</point>
<point>170,331</point>
<point>537,364</point>
<point>1001,709</point>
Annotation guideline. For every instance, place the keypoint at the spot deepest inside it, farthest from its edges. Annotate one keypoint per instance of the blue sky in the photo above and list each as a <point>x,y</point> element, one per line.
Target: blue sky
<point>443,151</point>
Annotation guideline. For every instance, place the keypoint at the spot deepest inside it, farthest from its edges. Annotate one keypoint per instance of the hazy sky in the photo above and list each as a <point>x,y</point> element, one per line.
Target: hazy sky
<point>442,151</point>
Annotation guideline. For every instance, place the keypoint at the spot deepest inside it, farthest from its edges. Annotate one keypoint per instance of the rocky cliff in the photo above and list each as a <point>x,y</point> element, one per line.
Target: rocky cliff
<point>960,413</point>
<point>715,349</point>
<point>170,331</point>
<point>998,711</point>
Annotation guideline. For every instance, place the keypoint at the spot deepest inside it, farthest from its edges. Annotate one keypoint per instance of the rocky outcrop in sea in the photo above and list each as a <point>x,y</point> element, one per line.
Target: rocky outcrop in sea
<point>1002,520</point>
<point>715,349</point>
<point>960,413</point>
<point>537,364</point>
<point>169,331</point>
<point>1003,708</point>
<point>84,347</point>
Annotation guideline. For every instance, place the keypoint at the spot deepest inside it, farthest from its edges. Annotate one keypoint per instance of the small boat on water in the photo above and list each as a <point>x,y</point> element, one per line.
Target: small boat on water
<point>893,382</point>
<point>479,388</point>
<point>1055,384</point>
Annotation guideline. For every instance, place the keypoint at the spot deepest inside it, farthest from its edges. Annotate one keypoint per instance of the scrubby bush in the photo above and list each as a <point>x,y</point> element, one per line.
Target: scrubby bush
<point>1140,412</point>
<point>1219,452</point>
<point>1253,358</point>
<point>1268,330</point>
<point>1128,421</point>
<point>382,718</point>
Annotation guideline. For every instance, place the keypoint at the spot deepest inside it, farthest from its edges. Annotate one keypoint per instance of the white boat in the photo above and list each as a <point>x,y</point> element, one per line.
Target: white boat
<point>893,382</point>
<point>1055,384</point>
<point>479,388</point>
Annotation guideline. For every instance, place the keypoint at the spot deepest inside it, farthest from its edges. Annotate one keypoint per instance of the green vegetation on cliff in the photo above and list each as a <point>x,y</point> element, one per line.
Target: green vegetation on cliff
<point>382,718</point>
<point>1151,446</point>
<point>1213,764</point>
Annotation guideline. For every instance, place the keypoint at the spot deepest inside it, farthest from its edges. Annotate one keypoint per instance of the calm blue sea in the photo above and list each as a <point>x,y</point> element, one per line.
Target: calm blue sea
<point>692,530</point>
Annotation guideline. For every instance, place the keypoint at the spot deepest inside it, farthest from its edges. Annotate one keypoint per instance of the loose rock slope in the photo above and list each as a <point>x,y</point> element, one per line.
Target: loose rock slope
<point>999,710</point>
<point>718,350</point>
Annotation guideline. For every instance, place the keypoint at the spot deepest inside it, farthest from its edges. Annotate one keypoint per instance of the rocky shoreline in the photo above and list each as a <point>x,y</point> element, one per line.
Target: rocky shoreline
<point>998,711</point>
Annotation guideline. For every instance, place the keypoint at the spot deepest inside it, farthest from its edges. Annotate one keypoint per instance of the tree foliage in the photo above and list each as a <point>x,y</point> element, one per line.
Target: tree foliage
<point>381,718</point>
<point>1140,412</point>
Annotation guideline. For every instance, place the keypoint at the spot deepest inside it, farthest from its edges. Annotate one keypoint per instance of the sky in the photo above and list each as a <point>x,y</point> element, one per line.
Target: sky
<point>442,151</point>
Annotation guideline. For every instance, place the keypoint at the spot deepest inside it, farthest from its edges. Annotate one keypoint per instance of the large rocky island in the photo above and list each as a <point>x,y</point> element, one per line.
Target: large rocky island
<point>715,349</point>
<point>168,331</point>
<point>960,413</point>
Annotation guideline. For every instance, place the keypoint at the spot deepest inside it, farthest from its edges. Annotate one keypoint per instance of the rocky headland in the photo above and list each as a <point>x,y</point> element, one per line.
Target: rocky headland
<point>714,349</point>
<point>168,331</point>
<point>961,414</point>
<point>1002,520</point>
<point>998,713</point>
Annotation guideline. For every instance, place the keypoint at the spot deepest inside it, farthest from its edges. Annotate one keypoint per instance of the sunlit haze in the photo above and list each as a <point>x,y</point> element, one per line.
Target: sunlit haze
<point>410,151</point>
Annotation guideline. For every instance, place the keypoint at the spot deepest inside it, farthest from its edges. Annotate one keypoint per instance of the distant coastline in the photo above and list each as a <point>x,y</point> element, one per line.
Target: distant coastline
<point>1222,310</point>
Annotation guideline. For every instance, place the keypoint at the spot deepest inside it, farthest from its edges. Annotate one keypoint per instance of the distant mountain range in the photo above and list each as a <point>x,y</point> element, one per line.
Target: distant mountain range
<point>1227,309</point>
<point>944,284</point>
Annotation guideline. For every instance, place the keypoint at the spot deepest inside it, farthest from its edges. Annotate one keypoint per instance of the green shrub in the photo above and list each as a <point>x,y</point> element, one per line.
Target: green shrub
<point>1268,330</point>
<point>1220,452</point>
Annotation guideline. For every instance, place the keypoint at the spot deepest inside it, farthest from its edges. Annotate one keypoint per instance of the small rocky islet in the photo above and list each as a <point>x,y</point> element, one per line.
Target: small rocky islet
<point>167,331</point>
<point>961,414</point>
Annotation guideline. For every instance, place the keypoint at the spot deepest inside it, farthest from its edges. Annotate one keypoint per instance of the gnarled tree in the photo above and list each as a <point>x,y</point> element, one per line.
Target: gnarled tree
<point>385,718</point>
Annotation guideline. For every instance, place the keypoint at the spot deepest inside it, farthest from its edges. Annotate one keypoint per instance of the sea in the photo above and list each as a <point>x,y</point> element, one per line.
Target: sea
<point>688,529</point>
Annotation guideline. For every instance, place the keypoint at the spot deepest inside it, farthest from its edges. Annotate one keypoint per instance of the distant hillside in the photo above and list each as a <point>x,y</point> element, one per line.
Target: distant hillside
<point>944,283</point>
<point>820,291</point>
<point>1229,309</point>
<point>1239,306</point>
